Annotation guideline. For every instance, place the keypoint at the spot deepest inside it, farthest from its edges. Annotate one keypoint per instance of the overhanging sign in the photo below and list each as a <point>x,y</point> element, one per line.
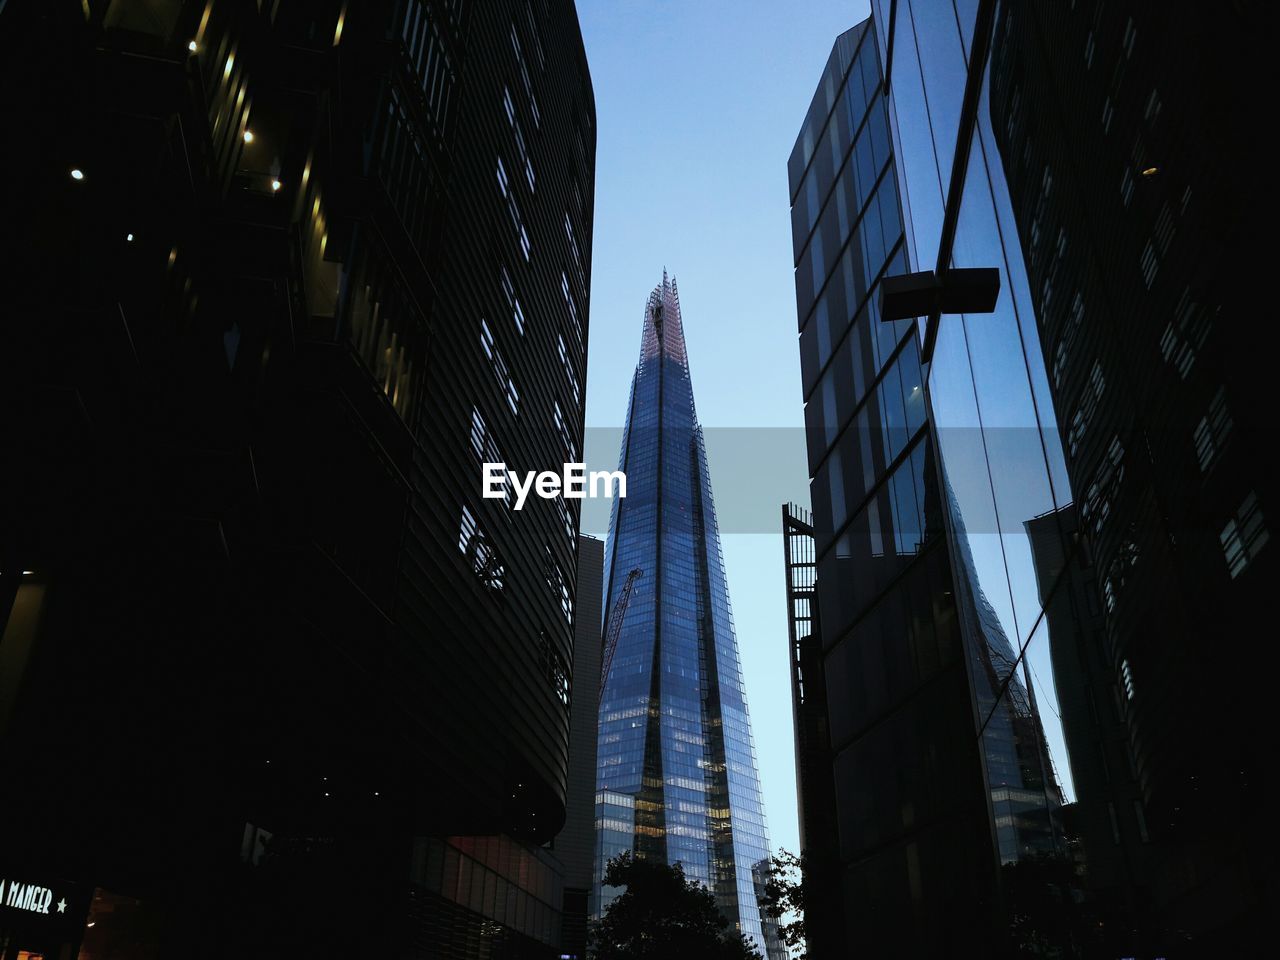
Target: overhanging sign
<point>57,907</point>
<point>30,897</point>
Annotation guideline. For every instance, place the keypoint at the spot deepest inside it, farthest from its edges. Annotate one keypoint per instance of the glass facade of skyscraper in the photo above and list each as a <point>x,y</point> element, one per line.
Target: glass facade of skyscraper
<point>943,714</point>
<point>677,777</point>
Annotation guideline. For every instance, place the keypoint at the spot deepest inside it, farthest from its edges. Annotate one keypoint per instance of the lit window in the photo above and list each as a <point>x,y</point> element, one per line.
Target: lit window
<point>505,384</point>
<point>559,586</point>
<point>474,545</point>
<point>518,135</point>
<point>1126,675</point>
<point>566,517</point>
<point>1086,408</point>
<point>571,306</point>
<point>1186,333</point>
<point>1065,339</point>
<point>486,450</point>
<point>513,301</point>
<point>1244,536</point>
<point>1212,431</point>
<point>568,372</point>
<point>573,248</point>
<point>566,435</point>
<point>1107,481</point>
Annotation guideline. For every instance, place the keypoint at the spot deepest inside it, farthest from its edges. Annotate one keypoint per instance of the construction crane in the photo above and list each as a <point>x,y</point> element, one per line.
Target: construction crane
<point>615,624</point>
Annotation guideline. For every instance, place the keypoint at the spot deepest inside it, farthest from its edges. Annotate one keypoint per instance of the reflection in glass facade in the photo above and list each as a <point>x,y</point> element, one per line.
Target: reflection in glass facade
<point>950,778</point>
<point>677,773</point>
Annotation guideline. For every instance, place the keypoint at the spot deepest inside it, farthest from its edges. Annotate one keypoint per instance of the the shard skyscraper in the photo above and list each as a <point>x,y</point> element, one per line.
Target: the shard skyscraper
<point>677,774</point>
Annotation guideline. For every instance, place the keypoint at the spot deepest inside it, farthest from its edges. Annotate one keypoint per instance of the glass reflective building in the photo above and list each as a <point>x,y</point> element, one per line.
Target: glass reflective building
<point>677,777</point>
<point>947,752</point>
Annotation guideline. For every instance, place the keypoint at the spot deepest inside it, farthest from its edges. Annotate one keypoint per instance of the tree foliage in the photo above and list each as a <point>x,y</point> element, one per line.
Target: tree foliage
<point>783,900</point>
<point>663,914</point>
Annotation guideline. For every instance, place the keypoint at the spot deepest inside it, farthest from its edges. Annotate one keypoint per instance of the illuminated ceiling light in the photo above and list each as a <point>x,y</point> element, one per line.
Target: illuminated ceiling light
<point>129,237</point>
<point>193,46</point>
<point>275,185</point>
<point>342,19</point>
<point>1150,171</point>
<point>77,173</point>
<point>248,136</point>
<point>91,923</point>
<point>28,573</point>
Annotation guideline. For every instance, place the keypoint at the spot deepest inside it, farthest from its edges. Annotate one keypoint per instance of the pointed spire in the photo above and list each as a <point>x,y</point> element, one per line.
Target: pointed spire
<point>663,331</point>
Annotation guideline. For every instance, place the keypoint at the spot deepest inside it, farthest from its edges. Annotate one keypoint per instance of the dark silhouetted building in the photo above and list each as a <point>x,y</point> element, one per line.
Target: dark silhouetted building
<point>1129,134</point>
<point>280,277</point>
<point>815,787</point>
<point>677,779</point>
<point>942,716</point>
<point>576,845</point>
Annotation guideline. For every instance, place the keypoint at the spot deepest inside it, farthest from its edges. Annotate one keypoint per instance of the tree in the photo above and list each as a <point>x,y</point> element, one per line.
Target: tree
<point>783,900</point>
<point>663,914</point>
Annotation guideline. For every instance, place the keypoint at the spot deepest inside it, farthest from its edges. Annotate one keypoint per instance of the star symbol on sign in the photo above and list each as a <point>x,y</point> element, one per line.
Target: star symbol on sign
<point>62,905</point>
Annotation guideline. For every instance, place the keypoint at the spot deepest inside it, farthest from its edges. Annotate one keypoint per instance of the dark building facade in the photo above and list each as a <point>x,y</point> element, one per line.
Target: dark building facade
<point>1107,823</point>
<point>575,847</point>
<point>677,778</point>
<point>947,754</point>
<point>1129,136</point>
<point>815,786</point>
<point>300,269</point>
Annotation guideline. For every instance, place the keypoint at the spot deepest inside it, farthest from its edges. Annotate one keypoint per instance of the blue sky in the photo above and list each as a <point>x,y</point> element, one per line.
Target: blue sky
<point>698,104</point>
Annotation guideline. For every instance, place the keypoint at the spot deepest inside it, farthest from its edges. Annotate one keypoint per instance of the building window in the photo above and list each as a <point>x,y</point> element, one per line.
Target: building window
<point>566,517</point>
<point>1150,264</point>
<point>559,586</point>
<point>428,60</point>
<point>518,135</point>
<point>568,372</point>
<point>1062,352</point>
<point>553,668</point>
<point>1163,233</point>
<point>513,208</point>
<point>1152,112</point>
<point>513,301</point>
<point>1186,333</point>
<point>573,248</point>
<point>499,366</point>
<point>1130,35</point>
<point>566,435</point>
<point>486,450</point>
<point>1087,407</point>
<point>524,76</point>
<point>476,547</point>
<point>1212,431</point>
<point>1244,536</point>
<point>1126,677</point>
<point>1126,185</point>
<point>1103,489</point>
<point>404,170</point>
<point>571,306</point>
<point>537,36</point>
<point>1141,817</point>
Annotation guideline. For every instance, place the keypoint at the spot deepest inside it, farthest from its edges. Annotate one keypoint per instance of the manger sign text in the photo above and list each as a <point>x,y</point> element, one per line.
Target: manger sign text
<point>574,484</point>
